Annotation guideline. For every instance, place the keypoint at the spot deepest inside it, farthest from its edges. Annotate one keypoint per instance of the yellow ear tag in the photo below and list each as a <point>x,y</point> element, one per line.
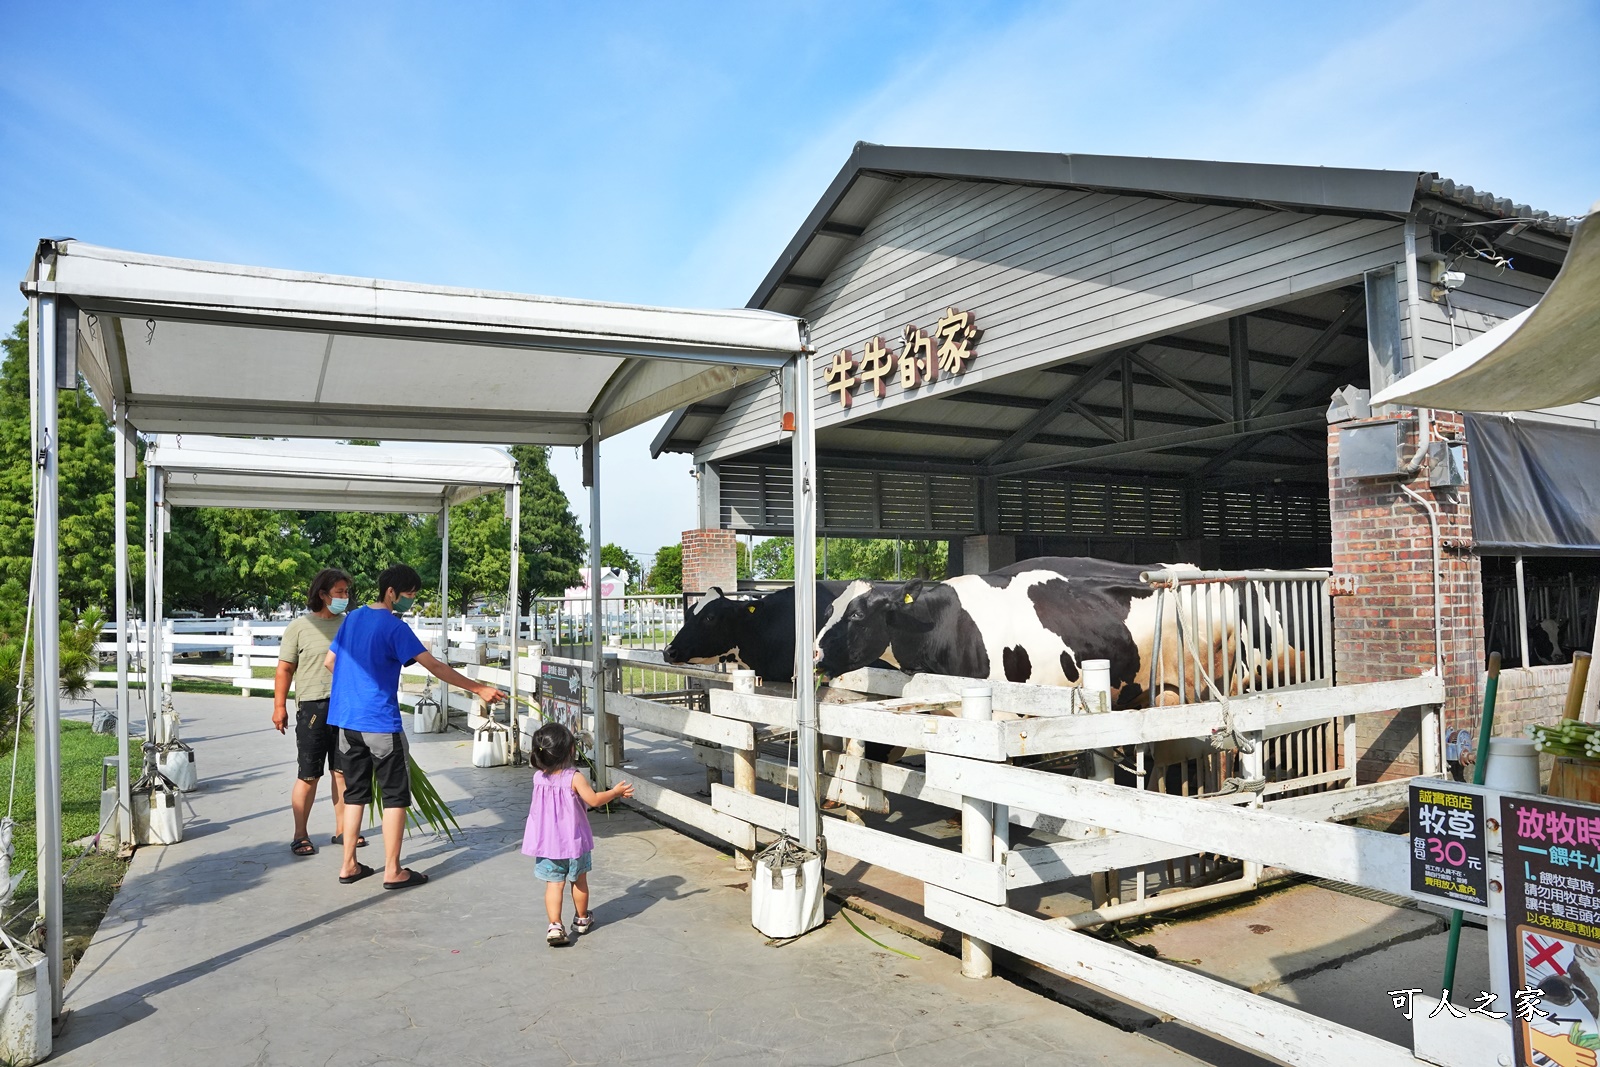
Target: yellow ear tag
<point>908,598</point>
<point>752,609</point>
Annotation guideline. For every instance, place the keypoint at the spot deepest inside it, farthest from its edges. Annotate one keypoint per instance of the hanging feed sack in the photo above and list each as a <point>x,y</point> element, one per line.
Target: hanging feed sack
<point>167,726</point>
<point>491,745</point>
<point>176,761</point>
<point>786,890</point>
<point>428,717</point>
<point>157,819</point>
<point>24,1006</point>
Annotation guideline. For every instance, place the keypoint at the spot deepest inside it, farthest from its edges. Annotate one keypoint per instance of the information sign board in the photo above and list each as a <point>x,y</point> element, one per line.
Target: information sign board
<point>1449,845</point>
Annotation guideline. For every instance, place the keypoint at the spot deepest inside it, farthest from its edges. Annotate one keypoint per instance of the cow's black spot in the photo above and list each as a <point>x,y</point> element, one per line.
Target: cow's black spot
<point>1069,666</point>
<point>1130,696</point>
<point>1090,615</point>
<point>1018,667</point>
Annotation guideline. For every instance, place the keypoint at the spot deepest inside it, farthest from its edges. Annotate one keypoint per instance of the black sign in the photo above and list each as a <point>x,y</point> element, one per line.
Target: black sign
<point>1552,856</point>
<point>561,695</point>
<point>1449,845</point>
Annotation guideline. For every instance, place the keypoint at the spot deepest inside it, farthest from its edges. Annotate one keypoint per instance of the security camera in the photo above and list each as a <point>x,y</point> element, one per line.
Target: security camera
<point>1453,279</point>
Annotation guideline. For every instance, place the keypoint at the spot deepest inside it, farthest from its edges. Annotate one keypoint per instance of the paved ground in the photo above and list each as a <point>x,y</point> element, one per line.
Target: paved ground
<point>225,949</point>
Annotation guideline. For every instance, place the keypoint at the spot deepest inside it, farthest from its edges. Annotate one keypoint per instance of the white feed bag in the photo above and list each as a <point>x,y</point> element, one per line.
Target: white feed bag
<point>24,1007</point>
<point>156,817</point>
<point>167,726</point>
<point>786,891</point>
<point>491,746</point>
<point>427,717</point>
<point>176,761</point>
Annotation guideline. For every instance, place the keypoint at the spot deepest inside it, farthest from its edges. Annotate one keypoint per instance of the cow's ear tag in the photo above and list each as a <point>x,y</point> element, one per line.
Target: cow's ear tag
<point>908,598</point>
<point>752,609</point>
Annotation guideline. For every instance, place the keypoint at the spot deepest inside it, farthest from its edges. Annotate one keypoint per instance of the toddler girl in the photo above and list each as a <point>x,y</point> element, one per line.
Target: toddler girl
<point>557,833</point>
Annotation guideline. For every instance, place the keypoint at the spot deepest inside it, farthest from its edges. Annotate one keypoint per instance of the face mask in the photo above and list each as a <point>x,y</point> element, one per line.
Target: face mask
<point>338,604</point>
<point>402,604</point>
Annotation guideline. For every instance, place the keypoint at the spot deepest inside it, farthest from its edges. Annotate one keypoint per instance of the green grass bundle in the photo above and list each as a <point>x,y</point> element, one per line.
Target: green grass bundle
<point>427,806</point>
<point>1580,740</point>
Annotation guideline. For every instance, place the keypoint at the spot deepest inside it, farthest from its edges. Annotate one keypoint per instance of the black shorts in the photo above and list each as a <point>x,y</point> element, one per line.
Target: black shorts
<point>387,757</point>
<point>314,739</point>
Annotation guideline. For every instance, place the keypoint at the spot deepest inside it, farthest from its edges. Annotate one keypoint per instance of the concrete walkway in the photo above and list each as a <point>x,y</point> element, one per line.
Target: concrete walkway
<point>225,949</point>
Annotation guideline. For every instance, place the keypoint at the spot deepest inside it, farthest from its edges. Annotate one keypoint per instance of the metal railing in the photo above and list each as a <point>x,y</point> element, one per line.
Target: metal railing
<point>1230,633</point>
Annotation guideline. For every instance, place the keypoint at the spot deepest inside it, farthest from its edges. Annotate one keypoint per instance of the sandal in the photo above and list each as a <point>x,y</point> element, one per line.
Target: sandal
<point>362,871</point>
<point>412,878</point>
<point>302,846</point>
<point>338,839</point>
<point>582,924</point>
<point>556,935</point>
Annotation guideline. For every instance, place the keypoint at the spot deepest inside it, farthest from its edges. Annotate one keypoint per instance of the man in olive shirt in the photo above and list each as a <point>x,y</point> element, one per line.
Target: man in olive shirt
<point>301,658</point>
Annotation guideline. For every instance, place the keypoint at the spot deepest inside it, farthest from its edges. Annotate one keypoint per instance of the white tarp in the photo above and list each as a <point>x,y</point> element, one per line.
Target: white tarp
<point>192,347</point>
<point>1543,358</point>
<point>308,475</point>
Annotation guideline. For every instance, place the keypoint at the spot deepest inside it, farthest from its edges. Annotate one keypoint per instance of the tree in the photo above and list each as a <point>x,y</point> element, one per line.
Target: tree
<point>666,573</point>
<point>619,558</point>
<point>363,544</point>
<point>773,559</point>
<point>851,557</point>
<point>553,545</point>
<point>86,489</point>
<point>223,559</point>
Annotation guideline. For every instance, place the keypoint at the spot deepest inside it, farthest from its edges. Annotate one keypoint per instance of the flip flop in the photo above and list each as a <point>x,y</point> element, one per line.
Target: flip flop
<point>302,846</point>
<point>362,871</point>
<point>412,878</point>
<point>338,839</point>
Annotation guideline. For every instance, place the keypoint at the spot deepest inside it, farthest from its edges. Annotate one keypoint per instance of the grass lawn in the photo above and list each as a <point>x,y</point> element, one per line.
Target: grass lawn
<point>89,891</point>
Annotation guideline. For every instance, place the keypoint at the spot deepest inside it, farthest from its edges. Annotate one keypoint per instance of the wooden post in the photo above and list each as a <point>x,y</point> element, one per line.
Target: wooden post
<point>977,835</point>
<point>744,767</point>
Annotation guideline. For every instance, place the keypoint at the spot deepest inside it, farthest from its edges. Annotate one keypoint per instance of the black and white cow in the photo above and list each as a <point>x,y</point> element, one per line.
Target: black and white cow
<point>1037,621</point>
<point>757,631</point>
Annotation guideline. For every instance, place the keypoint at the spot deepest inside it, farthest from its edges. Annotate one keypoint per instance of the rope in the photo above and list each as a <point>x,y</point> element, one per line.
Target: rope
<point>1226,738</point>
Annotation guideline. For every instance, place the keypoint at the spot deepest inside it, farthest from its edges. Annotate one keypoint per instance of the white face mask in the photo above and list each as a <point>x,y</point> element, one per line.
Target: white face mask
<point>338,604</point>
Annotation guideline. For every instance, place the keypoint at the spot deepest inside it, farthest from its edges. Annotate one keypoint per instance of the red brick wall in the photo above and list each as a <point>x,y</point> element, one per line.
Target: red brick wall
<point>710,558</point>
<point>1385,630</point>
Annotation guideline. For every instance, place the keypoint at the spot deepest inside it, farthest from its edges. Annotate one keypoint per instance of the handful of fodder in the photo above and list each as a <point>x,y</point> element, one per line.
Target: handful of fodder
<point>427,806</point>
<point>1578,740</point>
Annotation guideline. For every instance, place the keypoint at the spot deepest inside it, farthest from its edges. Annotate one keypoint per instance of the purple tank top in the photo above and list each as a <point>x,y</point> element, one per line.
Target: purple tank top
<point>558,819</point>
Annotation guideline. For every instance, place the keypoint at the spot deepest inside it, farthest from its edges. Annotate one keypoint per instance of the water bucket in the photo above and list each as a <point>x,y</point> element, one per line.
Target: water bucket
<point>786,890</point>
<point>744,681</point>
<point>1097,684</point>
<point>157,819</point>
<point>24,1007</point>
<point>176,761</point>
<point>428,717</point>
<point>491,745</point>
<point>1513,765</point>
<point>167,726</point>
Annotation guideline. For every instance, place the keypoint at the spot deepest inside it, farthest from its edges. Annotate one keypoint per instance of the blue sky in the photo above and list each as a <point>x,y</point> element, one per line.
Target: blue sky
<point>664,153</point>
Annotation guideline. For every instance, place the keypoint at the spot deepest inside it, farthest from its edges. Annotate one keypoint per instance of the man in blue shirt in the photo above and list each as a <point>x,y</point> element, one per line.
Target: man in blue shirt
<point>365,658</point>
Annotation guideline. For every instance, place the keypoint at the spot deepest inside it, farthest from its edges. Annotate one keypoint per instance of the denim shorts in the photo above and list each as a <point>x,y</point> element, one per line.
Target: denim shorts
<point>563,870</point>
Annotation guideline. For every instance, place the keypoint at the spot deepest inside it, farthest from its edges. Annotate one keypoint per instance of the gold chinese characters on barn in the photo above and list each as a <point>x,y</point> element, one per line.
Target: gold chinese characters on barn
<point>921,359</point>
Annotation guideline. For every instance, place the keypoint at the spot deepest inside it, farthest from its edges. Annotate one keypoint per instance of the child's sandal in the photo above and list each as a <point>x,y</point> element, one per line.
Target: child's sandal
<point>582,923</point>
<point>555,935</point>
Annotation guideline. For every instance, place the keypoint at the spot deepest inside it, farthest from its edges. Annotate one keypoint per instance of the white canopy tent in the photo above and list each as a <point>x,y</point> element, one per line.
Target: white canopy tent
<point>181,346</point>
<point>195,470</point>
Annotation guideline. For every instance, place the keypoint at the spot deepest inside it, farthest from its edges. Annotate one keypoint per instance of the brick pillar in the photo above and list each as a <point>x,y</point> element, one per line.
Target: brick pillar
<point>1386,630</point>
<point>710,558</point>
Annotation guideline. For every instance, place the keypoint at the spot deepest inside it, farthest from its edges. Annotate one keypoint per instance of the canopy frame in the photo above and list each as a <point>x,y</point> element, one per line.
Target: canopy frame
<point>133,324</point>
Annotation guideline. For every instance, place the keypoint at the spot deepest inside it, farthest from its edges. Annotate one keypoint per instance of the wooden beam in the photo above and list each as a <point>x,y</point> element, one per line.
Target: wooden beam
<point>927,863</point>
<point>1239,365</point>
<point>1319,345</point>
<point>1128,417</point>
<point>686,809</point>
<point>649,715</point>
<point>1031,429</point>
<point>1250,1021</point>
<point>1181,386</point>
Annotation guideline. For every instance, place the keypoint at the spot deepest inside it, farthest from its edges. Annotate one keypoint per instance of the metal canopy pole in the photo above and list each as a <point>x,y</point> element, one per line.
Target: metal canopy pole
<point>602,732</point>
<point>150,685</point>
<point>516,613</point>
<point>444,602</point>
<point>46,639</point>
<point>158,635</point>
<point>124,445</point>
<point>803,464</point>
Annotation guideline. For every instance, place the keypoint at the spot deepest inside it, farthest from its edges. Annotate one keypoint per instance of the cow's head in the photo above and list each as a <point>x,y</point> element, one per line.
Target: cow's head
<point>863,623</point>
<point>710,630</point>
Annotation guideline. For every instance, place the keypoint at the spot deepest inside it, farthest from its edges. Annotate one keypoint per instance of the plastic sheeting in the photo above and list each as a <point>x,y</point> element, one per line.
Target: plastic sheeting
<point>1534,486</point>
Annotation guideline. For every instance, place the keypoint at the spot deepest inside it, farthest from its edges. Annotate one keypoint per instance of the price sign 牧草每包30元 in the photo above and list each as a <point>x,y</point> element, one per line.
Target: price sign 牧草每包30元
<point>1449,847</point>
